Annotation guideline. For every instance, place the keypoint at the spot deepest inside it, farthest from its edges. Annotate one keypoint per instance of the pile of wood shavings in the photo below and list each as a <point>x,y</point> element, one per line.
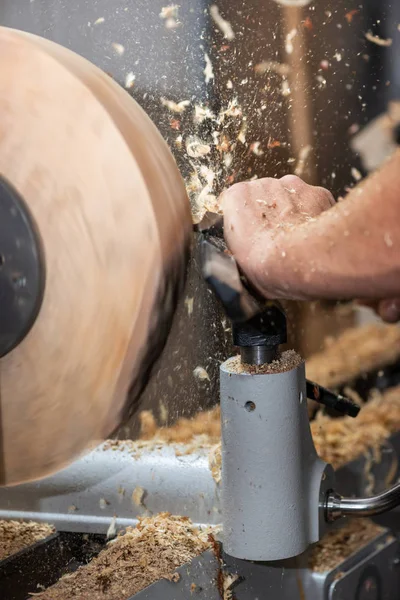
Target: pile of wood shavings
<point>287,361</point>
<point>188,443</point>
<point>16,535</point>
<point>135,448</point>
<point>339,544</point>
<point>143,555</point>
<point>339,441</point>
<point>206,423</point>
<point>356,351</point>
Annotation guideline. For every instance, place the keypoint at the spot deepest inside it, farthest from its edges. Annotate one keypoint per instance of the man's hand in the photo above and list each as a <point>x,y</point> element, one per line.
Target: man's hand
<point>260,217</point>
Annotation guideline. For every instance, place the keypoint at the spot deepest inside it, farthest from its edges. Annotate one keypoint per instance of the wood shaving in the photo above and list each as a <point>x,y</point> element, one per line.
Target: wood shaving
<point>112,530</point>
<point>200,190</point>
<point>148,425</point>
<point>163,412</point>
<point>143,555</point>
<point>135,448</point>
<point>255,148</point>
<point>207,201</point>
<point>201,373</point>
<point>172,23</point>
<point>285,88</point>
<point>118,48</point>
<point>375,39</point>
<point>208,70</point>
<point>339,441</point>
<point>355,173</point>
<point>242,133</point>
<point>228,159</point>
<point>351,14</point>
<point>339,544</point>
<point>207,174</point>
<point>232,110</point>
<point>215,463</point>
<point>169,12</point>
<point>229,582</point>
<point>289,41</point>
<point>355,352</point>
<point>138,495</point>
<point>224,26</point>
<point>201,113</point>
<point>189,302</point>
<point>282,69</point>
<point>196,148</point>
<point>16,535</point>
<point>206,423</point>
<point>170,15</point>
<point>177,107</point>
<point>302,160</point>
<point>129,80</point>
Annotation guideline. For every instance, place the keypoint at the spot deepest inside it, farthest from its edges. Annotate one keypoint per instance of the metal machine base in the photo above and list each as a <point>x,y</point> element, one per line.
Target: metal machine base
<point>373,573</point>
<point>85,496</point>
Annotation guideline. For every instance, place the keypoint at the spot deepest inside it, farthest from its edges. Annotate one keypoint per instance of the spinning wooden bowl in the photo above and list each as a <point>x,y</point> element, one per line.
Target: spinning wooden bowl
<point>113,222</point>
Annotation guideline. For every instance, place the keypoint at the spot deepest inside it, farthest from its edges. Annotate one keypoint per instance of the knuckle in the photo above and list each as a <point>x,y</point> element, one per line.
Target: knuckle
<point>325,195</point>
<point>292,180</point>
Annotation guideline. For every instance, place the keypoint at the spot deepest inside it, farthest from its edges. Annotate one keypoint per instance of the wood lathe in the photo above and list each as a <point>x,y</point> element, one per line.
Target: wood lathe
<point>96,231</point>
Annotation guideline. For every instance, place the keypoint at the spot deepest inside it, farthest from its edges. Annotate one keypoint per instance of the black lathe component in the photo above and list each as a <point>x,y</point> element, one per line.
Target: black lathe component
<point>22,271</point>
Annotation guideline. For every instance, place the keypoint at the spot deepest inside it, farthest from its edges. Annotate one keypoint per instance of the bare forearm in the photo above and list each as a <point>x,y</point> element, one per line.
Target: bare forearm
<point>350,250</point>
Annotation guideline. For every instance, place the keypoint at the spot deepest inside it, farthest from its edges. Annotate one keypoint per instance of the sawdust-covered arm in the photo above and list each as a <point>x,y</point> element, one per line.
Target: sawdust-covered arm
<point>293,241</point>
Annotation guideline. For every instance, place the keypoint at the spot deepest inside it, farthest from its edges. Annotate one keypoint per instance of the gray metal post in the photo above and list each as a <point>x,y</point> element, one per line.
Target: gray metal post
<point>272,478</point>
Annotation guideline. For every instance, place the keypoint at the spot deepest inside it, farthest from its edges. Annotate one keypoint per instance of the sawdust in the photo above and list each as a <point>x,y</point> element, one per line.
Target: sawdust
<point>339,544</point>
<point>138,495</point>
<point>339,441</point>
<point>142,555</point>
<point>206,423</point>
<point>356,351</point>
<point>215,463</point>
<point>287,361</point>
<point>16,535</point>
<point>375,39</point>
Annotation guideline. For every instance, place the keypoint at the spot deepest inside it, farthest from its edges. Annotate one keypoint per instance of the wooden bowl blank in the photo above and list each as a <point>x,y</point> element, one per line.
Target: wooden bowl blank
<point>114,220</point>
